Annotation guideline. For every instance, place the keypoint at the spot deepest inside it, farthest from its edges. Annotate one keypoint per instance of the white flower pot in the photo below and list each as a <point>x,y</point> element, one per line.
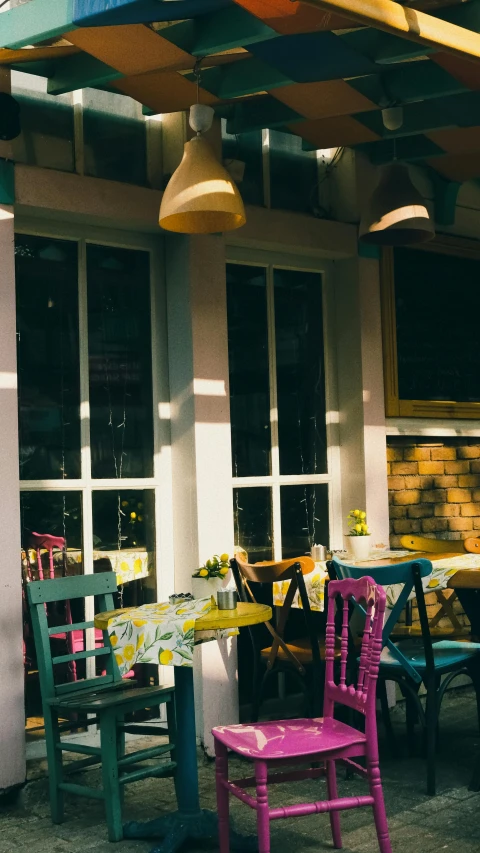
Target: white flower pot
<point>203,587</point>
<point>359,546</point>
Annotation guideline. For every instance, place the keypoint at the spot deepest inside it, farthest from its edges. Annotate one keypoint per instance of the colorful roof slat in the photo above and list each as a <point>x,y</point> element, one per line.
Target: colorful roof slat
<point>266,63</point>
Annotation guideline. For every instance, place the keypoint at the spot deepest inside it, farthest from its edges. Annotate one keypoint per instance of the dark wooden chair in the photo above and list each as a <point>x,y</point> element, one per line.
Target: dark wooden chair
<point>302,658</point>
<point>455,629</point>
<point>107,697</point>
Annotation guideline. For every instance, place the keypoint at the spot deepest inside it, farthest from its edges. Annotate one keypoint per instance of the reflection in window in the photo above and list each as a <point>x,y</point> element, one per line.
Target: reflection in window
<point>252,509</point>
<point>247,149</point>
<point>293,173</point>
<point>114,137</point>
<point>55,513</point>
<point>123,519</point>
<point>120,362</point>
<point>249,376</point>
<point>300,372</point>
<point>48,358</point>
<point>304,512</point>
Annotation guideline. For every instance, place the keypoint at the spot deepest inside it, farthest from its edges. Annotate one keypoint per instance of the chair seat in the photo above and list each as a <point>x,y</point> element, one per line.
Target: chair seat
<point>302,650</point>
<point>416,631</point>
<point>100,700</point>
<point>288,738</point>
<point>446,653</point>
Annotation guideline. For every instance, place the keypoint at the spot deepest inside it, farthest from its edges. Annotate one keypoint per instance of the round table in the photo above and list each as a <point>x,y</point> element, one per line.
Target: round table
<point>190,822</point>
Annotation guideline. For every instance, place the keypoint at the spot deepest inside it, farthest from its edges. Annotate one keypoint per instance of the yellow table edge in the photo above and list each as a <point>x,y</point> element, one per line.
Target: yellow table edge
<point>215,620</point>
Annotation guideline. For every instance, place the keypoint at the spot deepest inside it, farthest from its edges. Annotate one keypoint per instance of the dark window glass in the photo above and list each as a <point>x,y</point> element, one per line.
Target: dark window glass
<point>120,362</point>
<point>114,134</point>
<point>304,511</point>
<point>293,173</point>
<point>48,358</point>
<point>247,149</point>
<point>124,520</point>
<point>252,510</point>
<point>248,364</point>
<point>437,303</point>
<point>55,513</point>
<point>300,372</point>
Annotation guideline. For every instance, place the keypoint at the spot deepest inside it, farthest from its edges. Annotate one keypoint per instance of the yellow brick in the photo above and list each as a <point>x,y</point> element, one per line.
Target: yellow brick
<point>394,454</point>
<point>447,481</point>
<point>416,454</point>
<point>470,509</point>
<point>457,467</point>
<point>448,510</point>
<point>431,467</point>
<point>443,453</point>
<point>469,481</point>
<point>459,496</point>
<point>470,451</point>
<point>396,483</point>
<point>405,467</point>
<point>407,496</point>
<point>460,524</point>
<point>434,525</point>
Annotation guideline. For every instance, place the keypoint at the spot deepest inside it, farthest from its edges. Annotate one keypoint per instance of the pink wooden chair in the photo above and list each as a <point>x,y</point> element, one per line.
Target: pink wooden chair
<point>323,741</point>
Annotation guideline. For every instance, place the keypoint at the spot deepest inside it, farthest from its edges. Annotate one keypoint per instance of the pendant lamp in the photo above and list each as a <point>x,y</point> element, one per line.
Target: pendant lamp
<point>396,214</point>
<point>201,197</point>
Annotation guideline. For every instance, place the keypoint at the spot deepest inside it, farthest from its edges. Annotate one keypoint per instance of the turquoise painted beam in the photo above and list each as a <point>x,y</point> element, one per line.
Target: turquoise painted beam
<point>226,29</point>
<point>260,113</point>
<point>78,72</point>
<point>35,21</point>
<point>383,48</point>
<point>408,84</point>
<point>7,182</point>
<point>242,78</point>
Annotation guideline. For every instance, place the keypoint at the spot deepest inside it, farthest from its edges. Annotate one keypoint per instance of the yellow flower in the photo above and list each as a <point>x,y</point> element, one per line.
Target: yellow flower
<point>124,503</point>
<point>434,582</point>
<point>165,657</point>
<point>358,528</point>
<point>203,573</point>
<point>363,515</point>
<point>119,659</point>
<point>129,652</point>
<point>139,622</point>
<point>188,625</point>
<point>356,513</point>
<point>224,571</point>
<point>140,517</point>
<point>364,528</point>
<point>133,515</point>
<point>224,558</point>
<point>113,640</point>
<point>140,640</point>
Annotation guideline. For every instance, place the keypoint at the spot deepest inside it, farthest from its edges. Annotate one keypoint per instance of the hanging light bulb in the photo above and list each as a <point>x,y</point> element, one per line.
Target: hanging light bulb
<point>396,214</point>
<point>201,197</point>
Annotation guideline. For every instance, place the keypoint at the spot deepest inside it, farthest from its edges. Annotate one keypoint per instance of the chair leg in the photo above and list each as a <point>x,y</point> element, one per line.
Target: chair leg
<point>263,820</point>
<point>55,767</point>
<point>223,805</point>
<point>111,785</point>
<point>332,795</point>
<point>379,813</point>
<point>172,734</point>
<point>120,738</point>
<point>431,721</point>
<point>412,718</point>
<point>387,720</point>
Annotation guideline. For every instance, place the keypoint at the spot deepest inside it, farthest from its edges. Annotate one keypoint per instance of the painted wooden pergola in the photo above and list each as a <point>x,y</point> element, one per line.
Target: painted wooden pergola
<point>320,69</point>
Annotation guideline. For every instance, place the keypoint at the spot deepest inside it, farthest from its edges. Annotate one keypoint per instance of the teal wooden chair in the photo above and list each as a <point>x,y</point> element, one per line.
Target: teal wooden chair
<point>106,698</point>
<point>411,662</point>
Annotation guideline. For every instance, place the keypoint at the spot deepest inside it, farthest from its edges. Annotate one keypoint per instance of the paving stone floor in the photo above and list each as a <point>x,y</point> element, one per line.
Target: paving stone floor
<point>449,821</point>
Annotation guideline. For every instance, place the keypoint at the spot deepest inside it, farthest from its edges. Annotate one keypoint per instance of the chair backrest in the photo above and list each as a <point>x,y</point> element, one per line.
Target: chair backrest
<point>292,570</point>
<point>435,546</point>
<point>39,541</point>
<point>472,545</point>
<point>407,575</point>
<point>360,695</point>
<point>41,593</point>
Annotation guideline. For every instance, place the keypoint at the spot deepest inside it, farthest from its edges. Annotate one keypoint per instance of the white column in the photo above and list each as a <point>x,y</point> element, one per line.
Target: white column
<point>201,447</point>
<point>12,709</point>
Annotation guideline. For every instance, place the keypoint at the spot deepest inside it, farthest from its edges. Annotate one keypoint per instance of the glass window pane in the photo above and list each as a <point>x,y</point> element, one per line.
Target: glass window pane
<point>48,357</point>
<point>114,134</point>
<point>300,372</point>
<point>304,511</point>
<point>120,362</point>
<point>293,173</point>
<point>55,513</point>
<point>247,149</point>
<point>253,522</point>
<point>249,373</point>
<point>47,136</point>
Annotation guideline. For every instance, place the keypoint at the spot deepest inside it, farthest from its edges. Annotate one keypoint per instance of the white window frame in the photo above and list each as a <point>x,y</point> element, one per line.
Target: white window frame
<point>161,481</point>
<point>271,261</point>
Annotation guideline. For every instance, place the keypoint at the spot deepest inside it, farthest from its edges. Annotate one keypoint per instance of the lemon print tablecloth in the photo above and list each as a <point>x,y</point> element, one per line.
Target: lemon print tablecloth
<point>129,564</point>
<point>314,584</point>
<point>156,633</point>
<point>442,571</point>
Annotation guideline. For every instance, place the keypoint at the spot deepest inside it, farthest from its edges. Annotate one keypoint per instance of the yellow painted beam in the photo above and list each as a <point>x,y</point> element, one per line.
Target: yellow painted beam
<point>407,23</point>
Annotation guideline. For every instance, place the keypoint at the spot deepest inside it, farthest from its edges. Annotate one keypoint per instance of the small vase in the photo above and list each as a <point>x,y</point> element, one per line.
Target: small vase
<point>205,587</point>
<point>359,546</point>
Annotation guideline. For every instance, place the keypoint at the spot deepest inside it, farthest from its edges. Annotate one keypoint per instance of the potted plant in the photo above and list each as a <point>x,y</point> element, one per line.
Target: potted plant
<point>358,539</point>
<point>211,576</point>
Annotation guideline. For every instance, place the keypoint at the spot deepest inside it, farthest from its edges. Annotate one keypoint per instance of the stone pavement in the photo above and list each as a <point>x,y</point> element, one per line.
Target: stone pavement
<point>449,821</point>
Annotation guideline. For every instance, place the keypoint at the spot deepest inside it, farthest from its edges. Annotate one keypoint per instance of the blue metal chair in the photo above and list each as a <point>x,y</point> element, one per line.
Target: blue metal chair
<point>412,662</point>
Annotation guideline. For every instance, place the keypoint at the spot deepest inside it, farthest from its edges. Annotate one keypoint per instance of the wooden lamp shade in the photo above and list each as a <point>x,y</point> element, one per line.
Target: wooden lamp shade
<point>396,214</point>
<point>201,197</point>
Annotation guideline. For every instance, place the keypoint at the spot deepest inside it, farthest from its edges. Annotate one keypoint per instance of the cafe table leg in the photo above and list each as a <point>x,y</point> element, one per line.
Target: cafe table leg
<point>190,822</point>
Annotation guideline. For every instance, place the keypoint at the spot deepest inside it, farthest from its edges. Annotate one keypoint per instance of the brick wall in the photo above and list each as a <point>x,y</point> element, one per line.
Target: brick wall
<point>434,488</point>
